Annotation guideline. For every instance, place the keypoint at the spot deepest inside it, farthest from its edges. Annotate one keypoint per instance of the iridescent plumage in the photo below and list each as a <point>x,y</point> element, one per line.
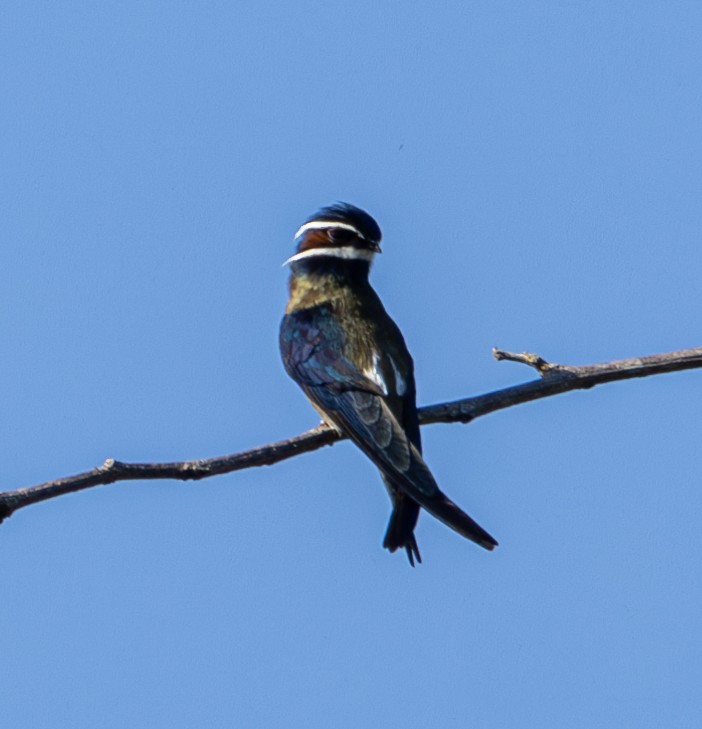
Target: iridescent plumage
<point>349,357</point>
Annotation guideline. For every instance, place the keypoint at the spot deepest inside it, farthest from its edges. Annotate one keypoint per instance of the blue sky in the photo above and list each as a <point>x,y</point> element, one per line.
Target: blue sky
<point>536,170</point>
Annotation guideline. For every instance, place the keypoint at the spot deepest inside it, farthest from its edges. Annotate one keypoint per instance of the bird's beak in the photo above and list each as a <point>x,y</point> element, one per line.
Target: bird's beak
<point>375,247</point>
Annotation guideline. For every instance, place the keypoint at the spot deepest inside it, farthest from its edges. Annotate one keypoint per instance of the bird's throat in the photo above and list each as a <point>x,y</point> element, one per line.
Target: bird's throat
<point>313,286</point>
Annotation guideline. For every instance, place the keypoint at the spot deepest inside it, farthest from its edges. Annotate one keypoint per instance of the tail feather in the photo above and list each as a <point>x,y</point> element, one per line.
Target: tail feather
<point>400,531</point>
<point>418,485</point>
<point>452,515</point>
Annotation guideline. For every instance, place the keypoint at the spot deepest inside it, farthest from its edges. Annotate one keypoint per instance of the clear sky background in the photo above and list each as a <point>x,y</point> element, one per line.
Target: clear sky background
<point>536,168</point>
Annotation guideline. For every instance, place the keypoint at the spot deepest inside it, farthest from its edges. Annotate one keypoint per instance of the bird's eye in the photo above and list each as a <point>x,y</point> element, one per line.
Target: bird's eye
<point>340,235</point>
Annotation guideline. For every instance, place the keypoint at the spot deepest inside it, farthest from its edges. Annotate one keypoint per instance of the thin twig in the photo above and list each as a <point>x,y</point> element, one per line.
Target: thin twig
<point>554,379</point>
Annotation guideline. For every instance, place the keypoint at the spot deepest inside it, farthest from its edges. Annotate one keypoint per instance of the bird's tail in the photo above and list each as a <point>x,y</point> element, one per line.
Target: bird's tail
<point>400,531</point>
<point>452,515</point>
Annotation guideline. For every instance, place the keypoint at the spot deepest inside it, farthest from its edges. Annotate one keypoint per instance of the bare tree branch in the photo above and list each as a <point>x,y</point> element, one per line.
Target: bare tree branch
<point>554,379</point>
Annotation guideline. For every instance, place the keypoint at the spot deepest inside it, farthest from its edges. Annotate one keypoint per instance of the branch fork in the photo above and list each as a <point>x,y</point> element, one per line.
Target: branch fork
<point>553,379</point>
<point>532,360</point>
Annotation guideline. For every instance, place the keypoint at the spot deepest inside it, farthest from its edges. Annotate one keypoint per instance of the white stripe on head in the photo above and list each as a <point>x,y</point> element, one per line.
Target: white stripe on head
<point>322,224</point>
<point>348,253</point>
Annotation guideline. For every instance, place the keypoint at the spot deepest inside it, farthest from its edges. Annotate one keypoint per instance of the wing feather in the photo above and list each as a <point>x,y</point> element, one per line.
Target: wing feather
<point>313,346</point>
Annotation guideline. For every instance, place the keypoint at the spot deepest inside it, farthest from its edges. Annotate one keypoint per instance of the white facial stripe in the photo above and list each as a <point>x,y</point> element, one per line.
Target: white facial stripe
<point>348,253</point>
<point>322,224</point>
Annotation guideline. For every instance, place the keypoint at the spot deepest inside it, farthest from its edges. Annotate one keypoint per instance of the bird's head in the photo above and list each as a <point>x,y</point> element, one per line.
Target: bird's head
<point>341,231</point>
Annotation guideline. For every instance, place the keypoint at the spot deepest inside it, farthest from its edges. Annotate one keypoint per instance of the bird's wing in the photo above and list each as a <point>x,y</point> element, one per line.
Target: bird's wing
<point>312,346</point>
<point>367,420</point>
<point>314,356</point>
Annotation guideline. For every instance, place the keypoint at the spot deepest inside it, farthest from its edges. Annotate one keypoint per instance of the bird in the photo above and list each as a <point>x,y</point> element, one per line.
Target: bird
<point>339,344</point>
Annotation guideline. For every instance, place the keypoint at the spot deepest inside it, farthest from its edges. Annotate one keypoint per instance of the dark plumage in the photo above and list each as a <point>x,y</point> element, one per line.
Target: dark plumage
<point>348,356</point>
<point>346,213</point>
